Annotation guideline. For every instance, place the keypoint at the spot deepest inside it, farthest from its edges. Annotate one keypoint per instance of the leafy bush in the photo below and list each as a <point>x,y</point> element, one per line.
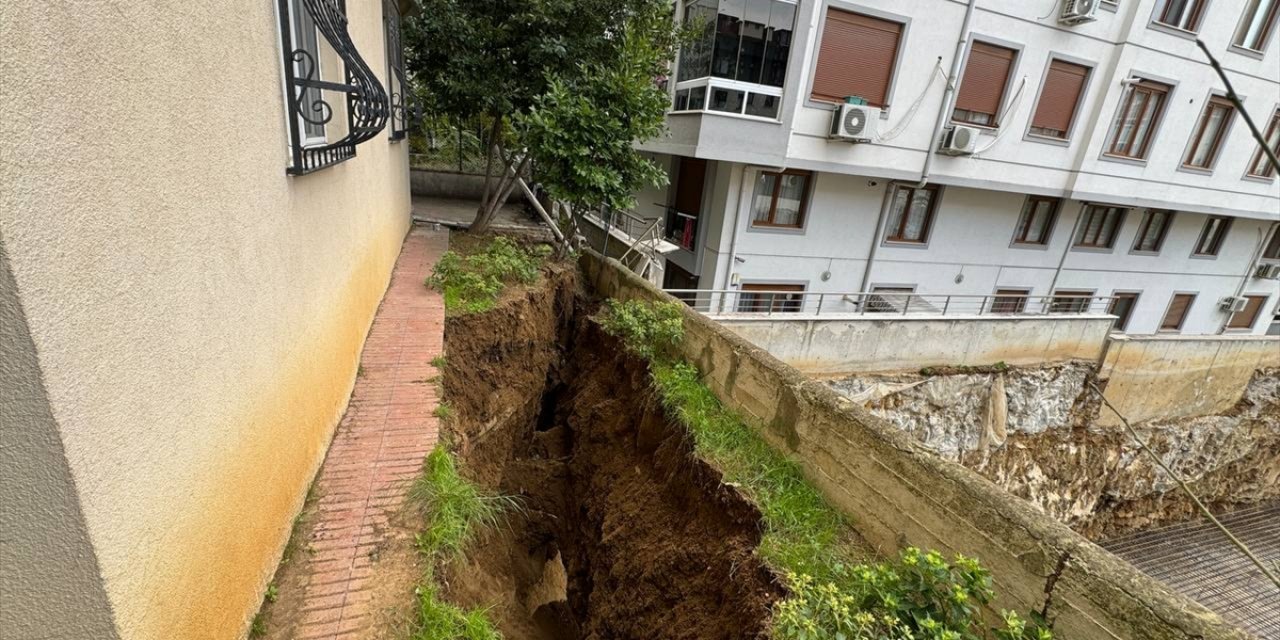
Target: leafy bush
<point>472,283</point>
<point>649,329</point>
<point>919,596</point>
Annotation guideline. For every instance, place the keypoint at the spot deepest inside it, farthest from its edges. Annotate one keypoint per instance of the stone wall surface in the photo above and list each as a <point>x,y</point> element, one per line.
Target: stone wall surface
<point>1051,449</point>
<point>898,492</point>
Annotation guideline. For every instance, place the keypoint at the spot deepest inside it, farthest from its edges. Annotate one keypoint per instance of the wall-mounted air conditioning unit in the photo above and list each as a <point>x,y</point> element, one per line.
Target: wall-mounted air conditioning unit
<point>1268,271</point>
<point>1078,11</point>
<point>1232,304</point>
<point>959,141</point>
<point>854,123</point>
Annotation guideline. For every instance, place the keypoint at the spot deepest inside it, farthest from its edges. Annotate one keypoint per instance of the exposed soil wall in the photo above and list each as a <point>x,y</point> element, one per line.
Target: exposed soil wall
<point>1036,432</point>
<point>622,532</point>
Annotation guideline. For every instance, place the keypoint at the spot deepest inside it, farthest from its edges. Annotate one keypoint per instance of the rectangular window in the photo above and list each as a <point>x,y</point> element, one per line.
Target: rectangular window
<point>307,65</point>
<point>888,299</point>
<point>1122,305</point>
<point>1176,314</point>
<point>1244,318</point>
<point>1272,252</point>
<point>1182,14</point>
<point>911,213</point>
<point>1036,222</point>
<point>780,199</point>
<point>1207,138</point>
<point>1140,111</point>
<point>1155,226</point>
<point>1071,301</point>
<point>1258,24</point>
<point>1100,226</point>
<point>1260,166</point>
<point>760,298</point>
<point>1212,236</point>
<point>986,74</point>
<point>856,58</point>
<point>1059,98</point>
<point>1010,301</point>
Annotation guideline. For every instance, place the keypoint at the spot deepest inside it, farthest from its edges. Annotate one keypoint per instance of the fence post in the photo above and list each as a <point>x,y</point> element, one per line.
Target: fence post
<point>820,297</point>
<point>946,304</point>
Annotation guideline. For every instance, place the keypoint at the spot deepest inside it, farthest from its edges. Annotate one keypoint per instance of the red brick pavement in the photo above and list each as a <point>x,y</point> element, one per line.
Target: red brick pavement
<point>388,429</point>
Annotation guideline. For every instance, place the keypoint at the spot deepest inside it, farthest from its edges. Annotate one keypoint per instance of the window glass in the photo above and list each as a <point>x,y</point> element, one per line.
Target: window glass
<point>726,100</point>
<point>1140,111</point>
<point>780,199</point>
<point>911,214</point>
<point>1099,227</point>
<point>695,55</point>
<point>1183,14</point>
<point>764,106</point>
<point>1122,305</point>
<point>744,40</point>
<point>790,197</point>
<point>1071,301</point>
<point>697,98</point>
<point>1212,236</point>
<point>1010,301</point>
<point>1260,166</point>
<point>762,202</point>
<point>1036,221</point>
<point>305,39</point>
<point>1155,224</point>
<point>758,298</point>
<point>1208,134</point>
<point>1272,252</point>
<point>1258,24</point>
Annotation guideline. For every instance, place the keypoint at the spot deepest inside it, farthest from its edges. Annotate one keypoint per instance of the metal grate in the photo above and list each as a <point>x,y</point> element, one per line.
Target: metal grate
<point>1195,559</point>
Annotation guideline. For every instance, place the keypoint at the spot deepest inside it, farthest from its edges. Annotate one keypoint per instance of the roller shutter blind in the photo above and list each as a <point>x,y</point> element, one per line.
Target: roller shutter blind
<point>1245,318</point>
<point>1063,85</point>
<point>985,76</point>
<point>1177,312</point>
<point>856,58</point>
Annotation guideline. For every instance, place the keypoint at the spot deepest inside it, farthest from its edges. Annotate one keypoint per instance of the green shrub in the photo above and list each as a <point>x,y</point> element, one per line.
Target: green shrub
<point>918,596</point>
<point>472,283</point>
<point>648,329</point>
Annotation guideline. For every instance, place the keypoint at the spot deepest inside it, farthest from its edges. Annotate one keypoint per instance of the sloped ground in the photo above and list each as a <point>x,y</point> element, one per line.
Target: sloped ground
<point>622,533</point>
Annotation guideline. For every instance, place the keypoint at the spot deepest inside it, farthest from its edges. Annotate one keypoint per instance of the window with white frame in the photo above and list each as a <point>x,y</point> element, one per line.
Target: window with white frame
<point>306,44</point>
<point>1181,14</point>
<point>738,62</point>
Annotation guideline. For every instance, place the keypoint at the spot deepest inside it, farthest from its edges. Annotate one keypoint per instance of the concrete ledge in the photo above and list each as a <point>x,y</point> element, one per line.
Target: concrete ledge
<point>449,184</point>
<point>899,493</point>
<point>846,343</point>
<point>1163,377</point>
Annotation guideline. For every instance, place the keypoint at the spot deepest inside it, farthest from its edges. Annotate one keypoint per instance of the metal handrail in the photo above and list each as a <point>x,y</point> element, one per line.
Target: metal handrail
<point>739,302</point>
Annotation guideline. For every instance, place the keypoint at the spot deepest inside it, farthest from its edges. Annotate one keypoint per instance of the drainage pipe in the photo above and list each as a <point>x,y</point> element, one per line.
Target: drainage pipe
<point>1071,240</point>
<point>948,94</point>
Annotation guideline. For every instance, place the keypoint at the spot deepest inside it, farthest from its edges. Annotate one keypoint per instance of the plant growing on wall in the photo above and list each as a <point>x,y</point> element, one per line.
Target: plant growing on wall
<point>566,84</point>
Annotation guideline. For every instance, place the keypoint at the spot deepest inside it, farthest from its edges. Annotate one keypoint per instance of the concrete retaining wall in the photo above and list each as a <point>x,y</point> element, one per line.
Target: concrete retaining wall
<point>899,493</point>
<point>448,184</point>
<point>1169,377</point>
<point>835,346</point>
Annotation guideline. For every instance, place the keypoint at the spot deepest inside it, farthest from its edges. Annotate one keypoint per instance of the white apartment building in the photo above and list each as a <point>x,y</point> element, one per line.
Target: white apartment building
<point>1091,158</point>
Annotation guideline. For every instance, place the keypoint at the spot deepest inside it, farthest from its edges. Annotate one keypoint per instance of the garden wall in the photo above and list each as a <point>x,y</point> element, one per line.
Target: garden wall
<point>899,493</point>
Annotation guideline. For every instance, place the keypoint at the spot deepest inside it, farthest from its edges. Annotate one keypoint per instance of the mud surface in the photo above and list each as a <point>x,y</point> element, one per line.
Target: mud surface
<point>622,533</point>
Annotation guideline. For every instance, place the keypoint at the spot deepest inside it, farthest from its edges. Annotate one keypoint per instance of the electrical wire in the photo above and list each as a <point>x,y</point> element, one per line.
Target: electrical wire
<point>1186,489</point>
<point>915,106</point>
<point>1013,107</point>
<point>1052,10</point>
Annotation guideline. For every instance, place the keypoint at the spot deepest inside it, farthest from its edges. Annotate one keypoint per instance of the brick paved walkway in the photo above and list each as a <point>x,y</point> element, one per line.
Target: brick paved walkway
<point>379,446</point>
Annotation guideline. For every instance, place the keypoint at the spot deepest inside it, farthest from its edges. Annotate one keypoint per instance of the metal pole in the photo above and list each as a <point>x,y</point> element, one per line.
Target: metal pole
<point>948,95</point>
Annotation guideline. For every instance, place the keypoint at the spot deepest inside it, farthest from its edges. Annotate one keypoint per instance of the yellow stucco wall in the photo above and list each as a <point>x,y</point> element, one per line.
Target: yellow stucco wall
<point>197,314</point>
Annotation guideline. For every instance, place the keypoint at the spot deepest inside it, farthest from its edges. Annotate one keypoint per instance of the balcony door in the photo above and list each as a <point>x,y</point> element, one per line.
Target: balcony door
<point>682,221</point>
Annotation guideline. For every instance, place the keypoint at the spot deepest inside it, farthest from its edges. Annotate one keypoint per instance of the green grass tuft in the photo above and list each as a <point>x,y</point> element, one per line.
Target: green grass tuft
<point>472,283</point>
<point>443,410</point>
<point>455,510</point>
<point>438,362</point>
<point>648,329</point>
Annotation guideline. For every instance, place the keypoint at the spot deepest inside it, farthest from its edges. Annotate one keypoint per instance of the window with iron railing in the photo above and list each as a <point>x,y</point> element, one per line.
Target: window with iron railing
<point>398,98</point>
<point>313,35</point>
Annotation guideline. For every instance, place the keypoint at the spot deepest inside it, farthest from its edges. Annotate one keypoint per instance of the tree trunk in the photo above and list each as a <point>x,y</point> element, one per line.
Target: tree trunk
<point>491,149</point>
<point>505,184</point>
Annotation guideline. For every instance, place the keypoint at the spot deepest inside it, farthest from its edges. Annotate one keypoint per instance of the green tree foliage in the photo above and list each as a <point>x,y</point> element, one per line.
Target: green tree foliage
<point>567,84</point>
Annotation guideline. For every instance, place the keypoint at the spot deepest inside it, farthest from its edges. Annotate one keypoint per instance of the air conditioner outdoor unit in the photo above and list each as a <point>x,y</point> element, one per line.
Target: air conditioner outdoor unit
<point>1268,271</point>
<point>1078,11</point>
<point>1232,304</point>
<point>854,123</point>
<point>959,141</point>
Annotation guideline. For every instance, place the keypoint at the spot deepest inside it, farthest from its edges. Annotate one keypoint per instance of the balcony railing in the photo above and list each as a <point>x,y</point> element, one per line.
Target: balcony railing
<point>740,303</point>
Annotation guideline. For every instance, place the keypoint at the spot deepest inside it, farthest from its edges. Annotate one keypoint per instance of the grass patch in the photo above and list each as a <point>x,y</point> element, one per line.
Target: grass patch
<point>442,410</point>
<point>439,362</point>
<point>455,510</point>
<point>472,282</point>
<point>834,595</point>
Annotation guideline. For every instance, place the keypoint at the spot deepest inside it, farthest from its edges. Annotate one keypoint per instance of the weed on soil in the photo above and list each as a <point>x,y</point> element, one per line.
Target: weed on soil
<point>472,278</point>
<point>455,510</point>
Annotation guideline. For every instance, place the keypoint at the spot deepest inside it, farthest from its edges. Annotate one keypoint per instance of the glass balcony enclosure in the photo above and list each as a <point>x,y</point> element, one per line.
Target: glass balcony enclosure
<point>738,63</point>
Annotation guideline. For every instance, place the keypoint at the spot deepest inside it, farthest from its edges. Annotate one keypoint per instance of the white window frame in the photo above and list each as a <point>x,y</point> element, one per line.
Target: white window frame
<point>308,138</point>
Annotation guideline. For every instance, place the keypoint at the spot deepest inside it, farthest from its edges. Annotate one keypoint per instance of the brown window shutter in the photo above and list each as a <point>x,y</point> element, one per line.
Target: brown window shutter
<point>985,76</point>
<point>1063,85</point>
<point>1177,311</point>
<point>1245,318</point>
<point>856,58</point>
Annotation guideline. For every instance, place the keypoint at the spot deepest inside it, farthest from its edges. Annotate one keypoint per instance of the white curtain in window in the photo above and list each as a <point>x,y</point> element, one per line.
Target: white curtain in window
<point>763,197</point>
<point>789,198</point>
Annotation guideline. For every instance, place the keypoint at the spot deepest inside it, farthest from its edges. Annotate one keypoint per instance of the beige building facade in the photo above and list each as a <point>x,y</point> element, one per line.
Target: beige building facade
<point>182,307</point>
